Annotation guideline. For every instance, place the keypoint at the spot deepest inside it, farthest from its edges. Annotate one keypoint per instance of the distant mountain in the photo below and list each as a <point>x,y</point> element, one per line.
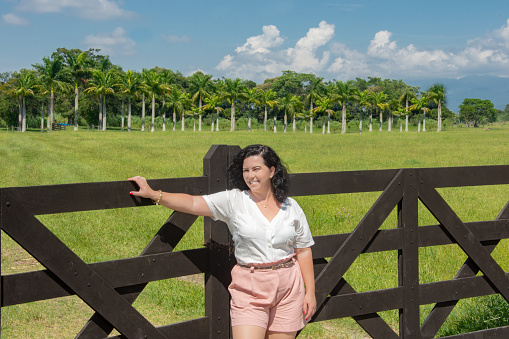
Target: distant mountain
<point>492,88</point>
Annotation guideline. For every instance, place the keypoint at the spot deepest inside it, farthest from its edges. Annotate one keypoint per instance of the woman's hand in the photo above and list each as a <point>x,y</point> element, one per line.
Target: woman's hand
<point>309,305</point>
<point>145,190</point>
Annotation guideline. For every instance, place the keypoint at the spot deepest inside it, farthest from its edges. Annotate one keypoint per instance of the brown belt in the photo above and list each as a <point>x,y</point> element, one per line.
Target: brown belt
<point>288,263</point>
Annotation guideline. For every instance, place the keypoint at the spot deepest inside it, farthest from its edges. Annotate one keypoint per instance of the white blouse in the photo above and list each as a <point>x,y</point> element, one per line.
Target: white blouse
<point>258,240</point>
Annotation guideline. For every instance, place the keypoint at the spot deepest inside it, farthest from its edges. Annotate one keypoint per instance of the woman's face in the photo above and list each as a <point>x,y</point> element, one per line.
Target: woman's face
<point>256,174</point>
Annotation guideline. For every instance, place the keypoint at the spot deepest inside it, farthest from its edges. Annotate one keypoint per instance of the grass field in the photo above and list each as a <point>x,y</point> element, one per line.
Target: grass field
<point>35,158</point>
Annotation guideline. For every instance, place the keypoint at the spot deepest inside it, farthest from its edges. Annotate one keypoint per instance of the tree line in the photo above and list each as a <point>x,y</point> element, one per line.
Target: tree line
<point>103,92</point>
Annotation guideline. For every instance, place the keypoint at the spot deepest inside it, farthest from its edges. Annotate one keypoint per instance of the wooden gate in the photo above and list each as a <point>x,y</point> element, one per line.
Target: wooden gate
<point>110,288</point>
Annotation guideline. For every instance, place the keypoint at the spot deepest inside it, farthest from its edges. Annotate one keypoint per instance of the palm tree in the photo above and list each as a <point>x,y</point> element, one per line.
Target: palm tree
<point>214,102</point>
<point>421,105</point>
<point>200,89</point>
<point>251,97</point>
<point>315,90</point>
<point>406,97</point>
<point>324,105</point>
<point>345,93</point>
<point>379,101</point>
<point>364,100</point>
<point>267,98</point>
<point>167,79</point>
<point>25,87</point>
<point>154,85</point>
<point>129,83</point>
<point>102,84</point>
<point>179,101</point>
<point>51,72</point>
<point>290,104</point>
<point>78,71</point>
<point>233,91</point>
<point>436,93</point>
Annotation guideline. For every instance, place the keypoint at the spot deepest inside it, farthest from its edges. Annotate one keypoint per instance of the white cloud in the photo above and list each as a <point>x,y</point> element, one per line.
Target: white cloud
<point>90,9</point>
<point>114,43</point>
<point>175,38</point>
<point>262,43</point>
<point>15,20</point>
<point>264,56</point>
<point>303,56</point>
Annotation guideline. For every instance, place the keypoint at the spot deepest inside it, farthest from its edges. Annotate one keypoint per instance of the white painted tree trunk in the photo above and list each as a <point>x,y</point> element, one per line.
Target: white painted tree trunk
<point>129,115</point>
<point>143,113</point>
<point>76,108</point>
<point>153,113</point>
<point>123,115</point>
<point>343,119</point>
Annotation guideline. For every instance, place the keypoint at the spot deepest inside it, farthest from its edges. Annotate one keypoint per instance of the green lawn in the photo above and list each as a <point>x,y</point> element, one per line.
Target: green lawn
<point>35,158</point>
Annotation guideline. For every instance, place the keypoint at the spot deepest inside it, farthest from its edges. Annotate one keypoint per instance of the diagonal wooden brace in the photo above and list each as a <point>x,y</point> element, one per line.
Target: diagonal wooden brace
<point>357,240</point>
<point>468,242</point>
<point>441,311</point>
<point>45,247</point>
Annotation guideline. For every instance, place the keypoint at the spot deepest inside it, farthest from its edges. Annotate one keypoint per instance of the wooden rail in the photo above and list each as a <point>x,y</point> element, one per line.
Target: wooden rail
<point>110,288</point>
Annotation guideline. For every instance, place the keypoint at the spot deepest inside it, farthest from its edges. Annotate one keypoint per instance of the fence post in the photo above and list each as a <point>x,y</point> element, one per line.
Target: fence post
<point>217,279</point>
<point>408,257</point>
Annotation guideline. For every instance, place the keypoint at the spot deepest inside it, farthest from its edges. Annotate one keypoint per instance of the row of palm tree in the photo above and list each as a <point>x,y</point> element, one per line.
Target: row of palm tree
<point>99,78</point>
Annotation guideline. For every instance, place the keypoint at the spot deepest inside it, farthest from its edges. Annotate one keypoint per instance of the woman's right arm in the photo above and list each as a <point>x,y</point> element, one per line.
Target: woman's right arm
<point>192,204</point>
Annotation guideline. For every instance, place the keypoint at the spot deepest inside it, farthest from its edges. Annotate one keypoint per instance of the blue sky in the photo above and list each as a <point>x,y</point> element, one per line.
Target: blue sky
<point>259,39</point>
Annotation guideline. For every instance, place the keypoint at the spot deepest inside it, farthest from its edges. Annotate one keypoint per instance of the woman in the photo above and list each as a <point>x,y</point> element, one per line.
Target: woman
<point>272,290</point>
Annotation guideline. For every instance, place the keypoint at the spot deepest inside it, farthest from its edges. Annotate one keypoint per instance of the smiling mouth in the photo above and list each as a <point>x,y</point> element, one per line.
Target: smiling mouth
<point>253,182</point>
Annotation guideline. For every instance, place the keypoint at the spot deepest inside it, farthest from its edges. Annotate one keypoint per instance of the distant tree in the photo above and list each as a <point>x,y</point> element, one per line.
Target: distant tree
<point>51,76</point>
<point>102,84</point>
<point>77,68</point>
<point>179,101</point>
<point>315,90</point>
<point>201,86</point>
<point>407,95</point>
<point>25,87</point>
<point>251,98</point>
<point>128,84</point>
<point>345,94</point>
<point>477,111</point>
<point>214,102</point>
<point>418,105</point>
<point>267,98</point>
<point>324,105</point>
<point>379,102</point>
<point>154,85</point>
<point>364,99</point>
<point>233,92</point>
<point>436,93</point>
<point>290,104</point>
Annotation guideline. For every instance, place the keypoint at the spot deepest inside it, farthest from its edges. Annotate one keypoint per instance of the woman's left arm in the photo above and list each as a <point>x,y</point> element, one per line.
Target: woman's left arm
<point>305,259</point>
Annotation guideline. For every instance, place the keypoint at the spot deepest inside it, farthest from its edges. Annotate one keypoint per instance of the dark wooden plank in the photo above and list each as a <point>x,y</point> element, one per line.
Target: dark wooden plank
<point>98,195</point>
<point>408,257</point>
<point>191,329</point>
<point>441,311</point>
<point>45,247</point>
<point>340,182</point>
<point>430,235</point>
<point>494,333</point>
<point>453,290</point>
<point>466,176</point>
<point>362,304</point>
<point>41,285</point>
<point>464,237</point>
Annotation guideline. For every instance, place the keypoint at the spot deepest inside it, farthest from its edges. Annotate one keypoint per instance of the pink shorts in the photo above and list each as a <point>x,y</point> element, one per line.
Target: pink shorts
<point>268,298</point>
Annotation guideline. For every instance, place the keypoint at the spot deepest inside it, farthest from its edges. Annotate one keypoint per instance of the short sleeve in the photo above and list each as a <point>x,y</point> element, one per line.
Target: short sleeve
<point>219,205</point>
<point>304,238</point>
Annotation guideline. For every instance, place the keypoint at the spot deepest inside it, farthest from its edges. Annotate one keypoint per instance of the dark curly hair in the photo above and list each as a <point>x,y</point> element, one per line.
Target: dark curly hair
<point>280,180</point>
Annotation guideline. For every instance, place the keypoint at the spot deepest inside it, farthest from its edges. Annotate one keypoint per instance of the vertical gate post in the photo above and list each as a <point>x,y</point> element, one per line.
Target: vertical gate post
<point>217,278</point>
<point>408,257</point>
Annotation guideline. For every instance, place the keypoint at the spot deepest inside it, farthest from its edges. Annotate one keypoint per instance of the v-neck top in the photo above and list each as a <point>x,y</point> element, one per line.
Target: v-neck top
<point>258,240</point>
